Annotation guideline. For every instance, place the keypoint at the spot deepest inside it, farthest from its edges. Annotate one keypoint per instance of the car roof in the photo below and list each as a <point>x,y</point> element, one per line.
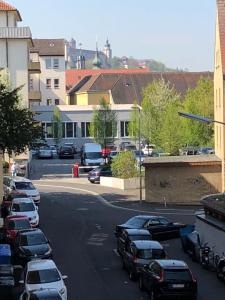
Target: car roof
<point>137,231</point>
<point>45,292</point>
<point>14,218</point>
<point>147,217</point>
<point>40,264</point>
<point>18,178</point>
<point>147,244</point>
<point>25,200</point>
<point>172,263</point>
<point>31,231</point>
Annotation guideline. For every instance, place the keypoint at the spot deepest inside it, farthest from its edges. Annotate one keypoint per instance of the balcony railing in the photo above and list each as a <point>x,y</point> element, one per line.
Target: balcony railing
<point>15,33</point>
<point>34,67</point>
<point>34,95</point>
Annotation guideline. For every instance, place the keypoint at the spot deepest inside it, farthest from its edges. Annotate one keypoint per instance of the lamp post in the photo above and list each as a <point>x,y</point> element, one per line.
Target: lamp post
<point>199,118</point>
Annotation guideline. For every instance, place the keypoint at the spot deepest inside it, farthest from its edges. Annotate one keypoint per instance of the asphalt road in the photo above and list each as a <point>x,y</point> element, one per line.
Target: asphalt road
<point>80,228</point>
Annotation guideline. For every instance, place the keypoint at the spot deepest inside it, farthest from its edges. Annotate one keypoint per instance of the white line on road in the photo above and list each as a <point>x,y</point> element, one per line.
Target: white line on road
<point>116,252</point>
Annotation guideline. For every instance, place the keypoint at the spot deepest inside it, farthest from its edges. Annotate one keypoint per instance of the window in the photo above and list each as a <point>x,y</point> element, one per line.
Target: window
<point>85,129</point>
<point>48,83</point>
<point>55,63</point>
<point>75,129</point>
<point>56,83</point>
<point>124,128</point>
<point>56,101</point>
<point>49,131</point>
<point>69,130</point>
<point>48,63</point>
<point>49,101</point>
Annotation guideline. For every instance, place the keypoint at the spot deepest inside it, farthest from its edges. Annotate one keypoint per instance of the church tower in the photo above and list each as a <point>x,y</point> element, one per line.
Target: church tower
<point>108,51</point>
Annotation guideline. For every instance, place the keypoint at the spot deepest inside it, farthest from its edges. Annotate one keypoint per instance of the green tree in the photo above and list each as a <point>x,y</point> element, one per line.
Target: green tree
<point>199,101</point>
<point>57,125</point>
<point>104,124</point>
<point>133,126</point>
<point>18,129</point>
<point>124,165</point>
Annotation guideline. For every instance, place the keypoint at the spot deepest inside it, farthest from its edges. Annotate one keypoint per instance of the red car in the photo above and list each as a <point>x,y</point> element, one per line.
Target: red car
<point>13,224</point>
<point>107,150</point>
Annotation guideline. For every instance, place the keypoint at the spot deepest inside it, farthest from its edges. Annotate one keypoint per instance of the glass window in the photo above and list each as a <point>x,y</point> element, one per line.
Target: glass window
<point>49,130</point>
<point>56,83</point>
<point>55,63</point>
<point>23,185</point>
<point>75,129</point>
<point>32,239</point>
<point>19,224</point>
<point>48,63</point>
<point>63,130</point>
<point>48,83</point>
<point>181,275</point>
<point>135,221</point>
<point>88,124</point>
<point>124,129</point>
<point>83,129</point>
<point>43,276</point>
<point>23,207</point>
<point>43,128</point>
<point>56,101</point>
<point>49,101</point>
<point>69,130</point>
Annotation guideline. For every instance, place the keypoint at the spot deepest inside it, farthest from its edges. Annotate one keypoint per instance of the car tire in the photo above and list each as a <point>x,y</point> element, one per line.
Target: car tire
<point>141,285</point>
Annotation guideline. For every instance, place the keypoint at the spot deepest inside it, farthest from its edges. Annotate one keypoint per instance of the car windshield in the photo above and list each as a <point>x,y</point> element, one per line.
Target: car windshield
<point>16,196</point>
<point>32,239</point>
<point>36,296</point>
<point>177,275</point>
<point>140,237</point>
<point>151,254</point>
<point>24,185</point>
<point>19,224</point>
<point>43,276</point>
<point>136,221</point>
<point>93,155</point>
<point>22,207</point>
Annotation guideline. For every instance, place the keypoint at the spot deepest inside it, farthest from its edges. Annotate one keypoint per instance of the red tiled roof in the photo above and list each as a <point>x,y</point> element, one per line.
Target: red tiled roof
<point>8,7</point>
<point>74,76</point>
<point>221,19</point>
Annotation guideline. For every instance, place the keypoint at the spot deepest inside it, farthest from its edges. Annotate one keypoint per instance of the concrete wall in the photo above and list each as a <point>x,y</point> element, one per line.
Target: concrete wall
<point>11,19</point>
<point>176,184</point>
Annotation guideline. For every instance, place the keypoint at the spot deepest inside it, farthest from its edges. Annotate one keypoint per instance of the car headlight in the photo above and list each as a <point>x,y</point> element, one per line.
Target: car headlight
<point>62,291</point>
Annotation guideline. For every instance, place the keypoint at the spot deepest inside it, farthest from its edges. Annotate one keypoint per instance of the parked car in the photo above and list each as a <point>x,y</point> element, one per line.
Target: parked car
<point>122,145</point>
<point>159,227</point>
<point>31,244</point>
<point>66,152</point>
<point>190,150</point>
<point>140,253</point>
<point>44,274</point>
<point>25,208</point>
<point>159,153</point>
<point>206,150</point>
<point>190,241</point>
<point>94,175</point>
<point>113,154</point>
<point>107,150</point>
<point>128,235</point>
<point>139,155</point>
<point>13,224</point>
<point>91,155</point>
<point>72,146</point>
<point>168,278</point>
<point>42,294</point>
<point>148,148</point>
<point>54,150</point>
<point>45,152</point>
<point>20,185</point>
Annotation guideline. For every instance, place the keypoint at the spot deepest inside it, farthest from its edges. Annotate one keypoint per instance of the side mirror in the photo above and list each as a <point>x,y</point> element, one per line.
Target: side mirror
<point>64,277</point>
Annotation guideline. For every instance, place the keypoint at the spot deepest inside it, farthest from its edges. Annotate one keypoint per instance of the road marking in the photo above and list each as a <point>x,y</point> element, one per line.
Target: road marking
<point>116,252</point>
<point>97,239</point>
<point>82,209</point>
<point>105,202</point>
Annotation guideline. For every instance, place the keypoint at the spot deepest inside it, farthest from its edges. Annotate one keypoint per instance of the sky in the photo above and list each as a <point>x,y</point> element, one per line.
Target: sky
<point>178,33</point>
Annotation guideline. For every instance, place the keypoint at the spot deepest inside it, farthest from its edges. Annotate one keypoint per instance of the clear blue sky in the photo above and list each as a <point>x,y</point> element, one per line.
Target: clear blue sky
<point>179,33</point>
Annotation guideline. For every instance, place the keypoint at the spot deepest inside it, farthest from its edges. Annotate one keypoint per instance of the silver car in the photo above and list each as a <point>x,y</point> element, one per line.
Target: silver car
<point>45,152</point>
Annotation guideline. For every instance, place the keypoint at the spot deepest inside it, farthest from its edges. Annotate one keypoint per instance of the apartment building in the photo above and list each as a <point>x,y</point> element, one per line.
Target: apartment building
<point>48,87</point>
<point>14,48</point>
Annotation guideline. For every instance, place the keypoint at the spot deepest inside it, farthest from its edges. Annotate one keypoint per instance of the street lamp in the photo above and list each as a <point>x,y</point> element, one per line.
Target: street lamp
<point>139,144</point>
<point>199,118</point>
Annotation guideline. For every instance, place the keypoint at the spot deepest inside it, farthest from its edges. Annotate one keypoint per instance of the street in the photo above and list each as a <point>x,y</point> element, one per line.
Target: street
<point>80,228</point>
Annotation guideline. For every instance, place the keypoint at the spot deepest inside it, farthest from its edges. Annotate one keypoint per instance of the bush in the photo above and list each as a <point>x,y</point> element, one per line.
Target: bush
<point>124,165</point>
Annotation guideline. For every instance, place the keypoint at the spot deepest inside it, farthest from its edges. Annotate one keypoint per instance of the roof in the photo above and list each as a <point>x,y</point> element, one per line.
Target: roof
<point>45,293</point>
<point>221,21</point>
<point>147,244</point>
<point>49,47</point>
<point>18,178</point>
<point>137,231</point>
<point>74,76</point>
<point>126,88</point>
<point>8,7</point>
<point>25,200</point>
<point>15,218</point>
<point>171,263</point>
<point>183,160</point>
<point>31,231</point>
<point>40,264</point>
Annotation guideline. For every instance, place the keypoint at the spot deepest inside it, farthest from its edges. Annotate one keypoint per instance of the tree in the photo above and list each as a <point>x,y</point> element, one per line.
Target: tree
<point>18,129</point>
<point>124,165</point>
<point>57,125</point>
<point>103,127</point>
<point>133,126</point>
<point>199,101</point>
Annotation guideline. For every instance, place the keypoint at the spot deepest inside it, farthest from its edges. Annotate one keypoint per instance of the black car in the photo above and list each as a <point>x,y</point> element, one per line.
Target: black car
<point>159,227</point>
<point>94,175</point>
<point>42,294</point>
<point>129,235</point>
<point>140,253</point>
<point>31,244</point>
<point>66,152</point>
<point>169,279</point>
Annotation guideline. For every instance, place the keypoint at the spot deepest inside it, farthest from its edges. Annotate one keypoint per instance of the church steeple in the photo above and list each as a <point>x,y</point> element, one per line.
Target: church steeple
<point>97,64</point>
<point>108,51</point>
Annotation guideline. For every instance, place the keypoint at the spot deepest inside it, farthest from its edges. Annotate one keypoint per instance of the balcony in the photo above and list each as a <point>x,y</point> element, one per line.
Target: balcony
<point>34,95</point>
<point>15,33</point>
<point>34,67</point>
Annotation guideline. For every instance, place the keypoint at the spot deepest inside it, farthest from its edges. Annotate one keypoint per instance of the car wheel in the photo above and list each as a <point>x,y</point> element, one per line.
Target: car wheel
<point>141,285</point>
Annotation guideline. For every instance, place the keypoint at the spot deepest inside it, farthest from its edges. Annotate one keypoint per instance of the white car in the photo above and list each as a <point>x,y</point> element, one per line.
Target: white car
<point>25,207</point>
<point>45,152</point>
<point>148,149</point>
<point>20,185</point>
<point>51,294</point>
<point>43,274</point>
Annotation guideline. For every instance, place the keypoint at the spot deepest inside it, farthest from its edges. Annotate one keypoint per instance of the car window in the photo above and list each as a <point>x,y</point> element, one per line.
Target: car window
<point>19,224</point>
<point>181,275</point>
<point>152,222</point>
<point>32,239</point>
<point>46,297</point>
<point>43,276</point>
<point>24,185</point>
<point>136,221</point>
<point>23,207</point>
<point>140,237</point>
<point>164,221</point>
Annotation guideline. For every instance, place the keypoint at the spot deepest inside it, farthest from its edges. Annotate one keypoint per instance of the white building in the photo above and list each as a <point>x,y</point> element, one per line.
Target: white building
<point>14,48</point>
<point>47,87</point>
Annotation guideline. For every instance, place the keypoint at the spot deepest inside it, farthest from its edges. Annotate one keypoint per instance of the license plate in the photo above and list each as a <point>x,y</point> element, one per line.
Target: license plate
<point>177,286</point>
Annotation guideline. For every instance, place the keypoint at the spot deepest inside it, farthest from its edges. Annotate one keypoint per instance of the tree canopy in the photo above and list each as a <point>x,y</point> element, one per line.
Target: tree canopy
<point>18,129</point>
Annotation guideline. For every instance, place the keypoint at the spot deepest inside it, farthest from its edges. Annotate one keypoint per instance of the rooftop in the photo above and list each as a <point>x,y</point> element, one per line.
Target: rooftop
<point>8,7</point>
<point>49,47</point>
<point>40,264</point>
